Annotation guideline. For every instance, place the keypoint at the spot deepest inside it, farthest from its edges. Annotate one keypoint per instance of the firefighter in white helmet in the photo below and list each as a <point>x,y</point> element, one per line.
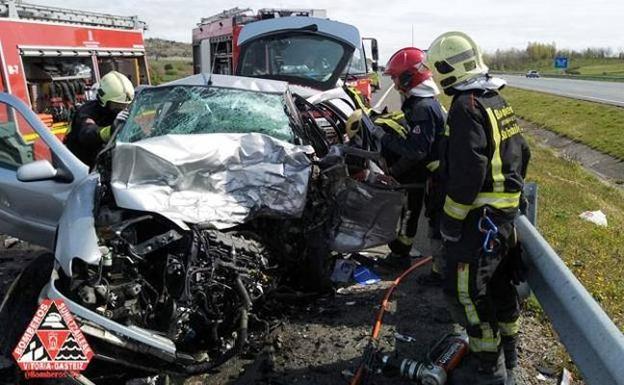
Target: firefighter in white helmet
<point>95,121</point>
<point>483,165</point>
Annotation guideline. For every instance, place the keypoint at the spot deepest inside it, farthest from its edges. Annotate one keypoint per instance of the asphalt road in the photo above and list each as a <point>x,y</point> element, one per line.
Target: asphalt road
<point>594,91</point>
<point>387,96</point>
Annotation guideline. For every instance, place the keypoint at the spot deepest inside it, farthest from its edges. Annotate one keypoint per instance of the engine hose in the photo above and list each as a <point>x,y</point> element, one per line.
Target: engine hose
<point>241,339</point>
<point>374,338</point>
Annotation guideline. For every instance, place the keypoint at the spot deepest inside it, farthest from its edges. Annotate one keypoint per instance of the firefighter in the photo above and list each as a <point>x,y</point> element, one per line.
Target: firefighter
<point>411,148</point>
<point>94,121</point>
<point>484,165</point>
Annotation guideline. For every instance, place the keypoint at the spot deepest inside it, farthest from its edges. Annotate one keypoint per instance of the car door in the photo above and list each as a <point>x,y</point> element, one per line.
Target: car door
<point>37,173</point>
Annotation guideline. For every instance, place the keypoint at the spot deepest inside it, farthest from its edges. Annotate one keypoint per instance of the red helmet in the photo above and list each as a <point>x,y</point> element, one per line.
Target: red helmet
<point>407,65</point>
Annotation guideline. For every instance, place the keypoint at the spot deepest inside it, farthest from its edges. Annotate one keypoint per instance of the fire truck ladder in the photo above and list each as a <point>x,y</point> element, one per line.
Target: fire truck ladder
<point>15,9</point>
<point>228,13</point>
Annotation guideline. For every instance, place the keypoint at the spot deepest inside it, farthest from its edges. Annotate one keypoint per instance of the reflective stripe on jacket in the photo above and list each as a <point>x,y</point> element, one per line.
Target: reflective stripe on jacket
<point>486,156</point>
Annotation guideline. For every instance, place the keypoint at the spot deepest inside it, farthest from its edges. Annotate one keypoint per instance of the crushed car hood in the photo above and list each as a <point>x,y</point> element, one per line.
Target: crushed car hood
<point>218,180</point>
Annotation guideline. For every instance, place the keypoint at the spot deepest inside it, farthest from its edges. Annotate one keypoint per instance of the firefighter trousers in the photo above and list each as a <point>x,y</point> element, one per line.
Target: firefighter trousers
<point>409,222</point>
<point>478,286</point>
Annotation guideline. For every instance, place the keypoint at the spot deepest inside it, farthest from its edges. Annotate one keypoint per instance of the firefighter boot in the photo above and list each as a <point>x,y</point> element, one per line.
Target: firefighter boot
<point>511,352</point>
<point>398,261</point>
<point>480,369</point>
<point>511,357</point>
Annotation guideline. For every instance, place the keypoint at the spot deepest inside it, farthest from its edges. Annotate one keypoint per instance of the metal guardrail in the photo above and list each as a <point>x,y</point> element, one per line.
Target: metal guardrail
<point>595,344</point>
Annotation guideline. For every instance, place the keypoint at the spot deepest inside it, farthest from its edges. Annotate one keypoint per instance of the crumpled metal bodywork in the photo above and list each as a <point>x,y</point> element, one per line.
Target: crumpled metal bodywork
<point>78,223</point>
<point>219,180</point>
<point>366,216</point>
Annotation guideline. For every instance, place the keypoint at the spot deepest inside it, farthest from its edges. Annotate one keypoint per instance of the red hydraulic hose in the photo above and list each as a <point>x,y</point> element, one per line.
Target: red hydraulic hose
<point>380,314</point>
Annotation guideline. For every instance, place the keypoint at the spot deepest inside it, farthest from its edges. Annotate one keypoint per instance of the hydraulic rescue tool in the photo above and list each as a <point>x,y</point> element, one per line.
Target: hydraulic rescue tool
<point>434,370</point>
<point>442,358</point>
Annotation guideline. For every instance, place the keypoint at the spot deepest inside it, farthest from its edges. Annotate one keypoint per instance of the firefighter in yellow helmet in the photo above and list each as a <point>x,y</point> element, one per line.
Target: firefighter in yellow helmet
<point>483,165</point>
<point>94,121</point>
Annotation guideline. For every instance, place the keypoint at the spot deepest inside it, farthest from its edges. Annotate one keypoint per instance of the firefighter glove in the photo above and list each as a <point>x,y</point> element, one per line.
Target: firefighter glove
<point>122,116</point>
<point>120,119</point>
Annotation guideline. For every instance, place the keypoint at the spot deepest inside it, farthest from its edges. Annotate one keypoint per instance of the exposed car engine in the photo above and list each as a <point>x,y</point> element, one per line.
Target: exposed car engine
<point>199,288</point>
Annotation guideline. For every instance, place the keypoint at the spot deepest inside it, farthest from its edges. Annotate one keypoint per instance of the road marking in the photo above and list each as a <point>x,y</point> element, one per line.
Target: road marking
<point>380,101</point>
<point>617,103</point>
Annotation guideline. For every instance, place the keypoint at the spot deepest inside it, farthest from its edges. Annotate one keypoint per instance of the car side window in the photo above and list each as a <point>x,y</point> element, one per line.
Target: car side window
<point>19,144</point>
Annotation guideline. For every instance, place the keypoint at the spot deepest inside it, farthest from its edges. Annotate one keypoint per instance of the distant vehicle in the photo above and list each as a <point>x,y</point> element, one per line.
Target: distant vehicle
<point>532,74</point>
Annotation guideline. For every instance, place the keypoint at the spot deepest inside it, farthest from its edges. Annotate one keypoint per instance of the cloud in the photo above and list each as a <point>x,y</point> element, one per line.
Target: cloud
<point>492,23</point>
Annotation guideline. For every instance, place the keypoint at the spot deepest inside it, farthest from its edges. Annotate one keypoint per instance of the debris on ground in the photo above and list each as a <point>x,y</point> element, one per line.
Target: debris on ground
<point>365,276</point>
<point>596,217</point>
<point>343,270</point>
<point>9,242</point>
<point>322,342</point>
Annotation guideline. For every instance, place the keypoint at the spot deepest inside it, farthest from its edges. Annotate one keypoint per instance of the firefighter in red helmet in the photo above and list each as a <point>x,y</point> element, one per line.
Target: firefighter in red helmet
<point>410,144</point>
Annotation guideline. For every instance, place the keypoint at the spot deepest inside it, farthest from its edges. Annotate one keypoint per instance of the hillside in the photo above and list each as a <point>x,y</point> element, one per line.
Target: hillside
<point>160,48</point>
<point>168,60</point>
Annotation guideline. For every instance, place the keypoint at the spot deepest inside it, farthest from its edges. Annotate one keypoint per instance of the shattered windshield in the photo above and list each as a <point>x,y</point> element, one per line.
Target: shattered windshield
<point>204,110</point>
<point>307,57</point>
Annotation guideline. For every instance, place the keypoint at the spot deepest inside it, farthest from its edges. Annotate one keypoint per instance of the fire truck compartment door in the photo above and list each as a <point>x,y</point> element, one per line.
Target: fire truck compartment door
<point>30,208</point>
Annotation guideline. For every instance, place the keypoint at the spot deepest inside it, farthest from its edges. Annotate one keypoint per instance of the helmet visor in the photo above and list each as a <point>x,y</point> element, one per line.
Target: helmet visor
<point>117,106</point>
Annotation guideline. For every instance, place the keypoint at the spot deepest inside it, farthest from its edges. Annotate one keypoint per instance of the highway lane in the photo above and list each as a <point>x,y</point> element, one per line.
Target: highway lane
<point>387,96</point>
<point>594,91</point>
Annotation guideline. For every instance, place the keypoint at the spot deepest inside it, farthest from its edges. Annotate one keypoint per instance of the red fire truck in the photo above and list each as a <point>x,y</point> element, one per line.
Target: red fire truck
<point>216,46</point>
<point>52,58</point>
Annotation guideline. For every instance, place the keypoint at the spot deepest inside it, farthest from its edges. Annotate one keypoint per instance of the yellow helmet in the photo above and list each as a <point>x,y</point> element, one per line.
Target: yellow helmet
<point>115,88</point>
<point>454,58</point>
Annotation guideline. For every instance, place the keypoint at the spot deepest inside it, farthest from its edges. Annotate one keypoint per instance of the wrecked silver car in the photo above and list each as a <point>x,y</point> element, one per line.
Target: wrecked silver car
<point>220,197</point>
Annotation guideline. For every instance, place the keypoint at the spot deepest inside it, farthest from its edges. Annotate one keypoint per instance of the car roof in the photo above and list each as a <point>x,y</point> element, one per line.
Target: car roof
<point>340,31</point>
<point>230,81</point>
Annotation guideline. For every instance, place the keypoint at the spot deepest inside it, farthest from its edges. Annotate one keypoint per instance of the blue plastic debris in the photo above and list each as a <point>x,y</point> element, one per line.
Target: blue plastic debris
<point>343,270</point>
<point>364,276</point>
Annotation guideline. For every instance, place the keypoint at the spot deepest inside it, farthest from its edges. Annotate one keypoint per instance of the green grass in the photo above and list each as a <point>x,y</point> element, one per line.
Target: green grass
<point>594,254</point>
<point>597,125</point>
<point>175,69</point>
<point>614,69</point>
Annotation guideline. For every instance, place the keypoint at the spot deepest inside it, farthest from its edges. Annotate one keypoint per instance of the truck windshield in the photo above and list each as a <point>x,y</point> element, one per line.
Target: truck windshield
<point>203,110</point>
<point>358,63</point>
<point>308,57</point>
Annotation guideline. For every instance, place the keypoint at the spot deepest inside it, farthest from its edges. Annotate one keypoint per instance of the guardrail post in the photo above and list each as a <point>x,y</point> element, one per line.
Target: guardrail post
<point>595,344</point>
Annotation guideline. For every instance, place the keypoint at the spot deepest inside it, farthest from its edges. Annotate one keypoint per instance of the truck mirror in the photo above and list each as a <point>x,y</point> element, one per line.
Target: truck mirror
<point>375,50</point>
<point>375,66</point>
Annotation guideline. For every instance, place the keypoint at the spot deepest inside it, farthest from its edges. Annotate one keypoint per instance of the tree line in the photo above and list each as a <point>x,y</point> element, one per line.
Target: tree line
<point>515,59</point>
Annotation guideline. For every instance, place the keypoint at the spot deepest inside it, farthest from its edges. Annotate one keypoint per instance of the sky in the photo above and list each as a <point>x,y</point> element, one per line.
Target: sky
<point>575,24</point>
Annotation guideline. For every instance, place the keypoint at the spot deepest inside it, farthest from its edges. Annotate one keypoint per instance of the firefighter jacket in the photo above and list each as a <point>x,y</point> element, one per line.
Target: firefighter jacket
<point>85,138</point>
<point>485,159</point>
<point>413,147</point>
